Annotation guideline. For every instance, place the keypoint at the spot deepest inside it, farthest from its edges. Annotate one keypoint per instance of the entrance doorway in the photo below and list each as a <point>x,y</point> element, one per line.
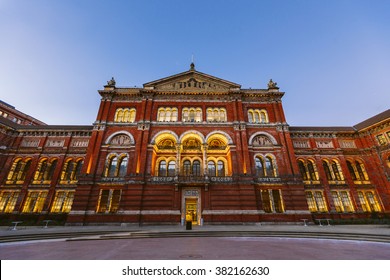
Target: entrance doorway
<point>192,210</point>
<point>191,205</point>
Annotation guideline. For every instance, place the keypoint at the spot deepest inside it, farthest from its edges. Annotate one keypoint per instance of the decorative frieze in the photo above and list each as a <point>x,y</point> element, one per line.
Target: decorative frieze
<point>347,144</point>
<point>324,144</point>
<point>79,143</point>
<point>304,144</point>
<point>53,143</point>
<point>30,143</point>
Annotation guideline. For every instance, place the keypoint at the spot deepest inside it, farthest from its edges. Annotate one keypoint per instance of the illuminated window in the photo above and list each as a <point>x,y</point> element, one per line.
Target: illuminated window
<point>316,201</point>
<point>171,168</point>
<point>259,163</point>
<point>369,201</point>
<point>333,171</point>
<point>62,202</point>
<point>302,170</point>
<point>71,170</point>
<point>167,114</point>
<point>34,202</point>
<point>272,201</point>
<point>312,170</point>
<point>265,166</point>
<point>221,169</point>
<point>216,115</point>
<point>45,170</point>
<point>8,201</point>
<point>211,168</point>
<point>257,116</point>
<point>162,169</point>
<point>342,201</point>
<point>18,171</point>
<point>116,166</point>
<point>109,201</point>
<point>125,115</point>
<point>192,115</point>
<point>196,168</point>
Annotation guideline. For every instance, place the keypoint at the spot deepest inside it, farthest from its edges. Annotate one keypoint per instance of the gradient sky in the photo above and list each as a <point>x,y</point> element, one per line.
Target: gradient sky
<point>332,58</point>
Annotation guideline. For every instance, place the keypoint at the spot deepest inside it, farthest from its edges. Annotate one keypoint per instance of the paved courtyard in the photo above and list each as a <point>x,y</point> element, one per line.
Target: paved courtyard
<point>118,246</point>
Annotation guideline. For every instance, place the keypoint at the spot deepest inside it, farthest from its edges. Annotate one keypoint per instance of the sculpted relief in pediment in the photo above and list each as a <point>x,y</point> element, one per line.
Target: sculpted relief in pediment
<point>192,84</point>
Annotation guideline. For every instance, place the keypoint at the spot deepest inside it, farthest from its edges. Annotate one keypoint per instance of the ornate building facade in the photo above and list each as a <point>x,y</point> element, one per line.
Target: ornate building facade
<point>193,144</point>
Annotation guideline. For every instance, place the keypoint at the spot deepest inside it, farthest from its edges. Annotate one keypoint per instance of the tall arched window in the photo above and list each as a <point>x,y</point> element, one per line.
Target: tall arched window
<point>211,168</point>
<point>361,170</point>
<point>162,168</point>
<point>171,168</point>
<point>113,163</point>
<point>187,168</point>
<point>302,170</point>
<point>336,171</point>
<point>221,168</point>
<point>259,167</point>
<point>196,168</point>
<point>351,170</point>
<point>312,172</point>
<point>123,166</point>
<point>328,174</point>
<point>269,167</point>
<point>250,117</point>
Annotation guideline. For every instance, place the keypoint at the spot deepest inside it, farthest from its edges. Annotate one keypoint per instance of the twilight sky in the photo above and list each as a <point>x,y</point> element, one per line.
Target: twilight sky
<point>332,58</point>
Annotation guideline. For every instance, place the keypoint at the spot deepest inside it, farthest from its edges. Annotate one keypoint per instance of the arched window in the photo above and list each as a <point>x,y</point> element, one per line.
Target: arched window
<point>257,117</point>
<point>124,115</point>
<point>192,114</point>
<point>198,117</point>
<point>168,115</point>
<point>171,168</point>
<point>196,168</point>
<point>361,170</point>
<point>336,171</point>
<point>174,115</point>
<point>119,115</point>
<point>18,171</point>
<point>263,117</point>
<point>259,167</point>
<point>113,163</point>
<point>328,174</point>
<point>187,168</point>
<point>123,166</point>
<point>221,169</point>
<point>312,172</point>
<point>161,115</point>
<point>302,170</point>
<point>211,168</point>
<point>250,116</point>
<point>162,168</point>
<point>132,115</point>
<point>269,167</point>
<point>351,170</point>
<point>41,169</point>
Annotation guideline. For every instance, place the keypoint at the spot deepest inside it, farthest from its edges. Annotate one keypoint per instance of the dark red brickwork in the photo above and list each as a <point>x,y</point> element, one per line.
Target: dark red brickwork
<point>261,181</point>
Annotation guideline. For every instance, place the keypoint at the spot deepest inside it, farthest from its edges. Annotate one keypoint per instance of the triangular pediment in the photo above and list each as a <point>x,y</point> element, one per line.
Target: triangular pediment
<point>192,81</point>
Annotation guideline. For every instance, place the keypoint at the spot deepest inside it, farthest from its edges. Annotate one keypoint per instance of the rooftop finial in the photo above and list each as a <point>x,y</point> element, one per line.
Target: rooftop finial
<point>192,65</point>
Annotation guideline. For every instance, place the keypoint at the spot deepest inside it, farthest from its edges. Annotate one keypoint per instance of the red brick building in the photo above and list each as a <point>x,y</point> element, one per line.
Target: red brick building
<point>197,146</point>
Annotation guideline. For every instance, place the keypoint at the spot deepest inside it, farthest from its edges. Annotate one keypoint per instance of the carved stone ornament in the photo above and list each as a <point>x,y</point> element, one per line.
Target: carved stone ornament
<point>121,140</point>
<point>261,141</point>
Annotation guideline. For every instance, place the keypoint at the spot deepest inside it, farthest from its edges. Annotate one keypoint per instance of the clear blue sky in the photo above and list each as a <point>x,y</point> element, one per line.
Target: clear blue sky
<point>332,58</point>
